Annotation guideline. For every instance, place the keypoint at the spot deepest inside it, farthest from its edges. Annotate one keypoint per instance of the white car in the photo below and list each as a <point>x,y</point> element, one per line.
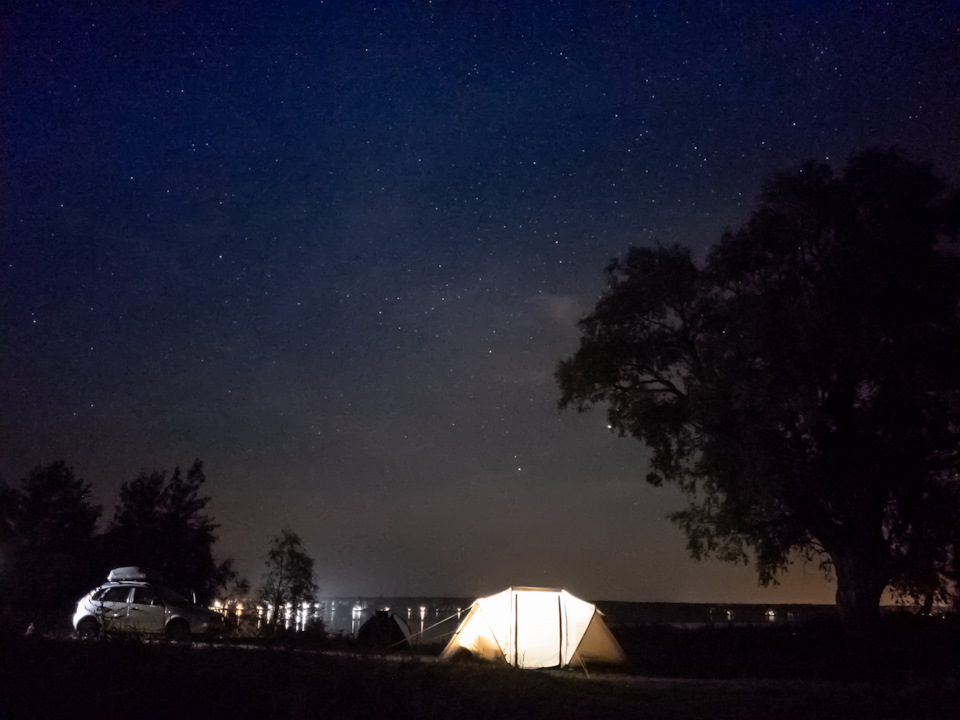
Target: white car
<point>130,603</point>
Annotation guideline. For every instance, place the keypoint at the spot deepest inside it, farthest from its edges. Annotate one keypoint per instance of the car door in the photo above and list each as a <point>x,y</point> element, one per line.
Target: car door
<point>112,607</point>
<point>146,611</point>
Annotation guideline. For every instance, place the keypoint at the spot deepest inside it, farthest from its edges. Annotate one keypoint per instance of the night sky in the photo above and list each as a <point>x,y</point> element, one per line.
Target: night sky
<point>336,250</point>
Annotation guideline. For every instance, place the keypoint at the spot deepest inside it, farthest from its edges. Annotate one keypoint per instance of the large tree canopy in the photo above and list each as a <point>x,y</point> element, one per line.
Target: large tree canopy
<point>800,385</point>
<point>160,523</point>
<point>47,529</point>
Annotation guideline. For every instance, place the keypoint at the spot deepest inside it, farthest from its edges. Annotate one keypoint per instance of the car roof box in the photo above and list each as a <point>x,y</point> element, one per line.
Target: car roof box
<point>127,573</point>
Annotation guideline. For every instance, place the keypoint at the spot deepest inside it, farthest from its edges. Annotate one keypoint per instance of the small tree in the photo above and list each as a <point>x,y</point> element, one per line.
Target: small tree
<point>289,576</point>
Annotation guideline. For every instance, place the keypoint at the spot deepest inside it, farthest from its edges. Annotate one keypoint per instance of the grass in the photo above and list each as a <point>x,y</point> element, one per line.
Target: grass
<point>905,647</point>
<point>47,678</point>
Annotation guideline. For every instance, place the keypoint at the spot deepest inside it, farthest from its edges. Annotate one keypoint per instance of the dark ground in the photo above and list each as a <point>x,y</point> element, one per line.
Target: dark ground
<point>715,673</point>
<point>905,648</point>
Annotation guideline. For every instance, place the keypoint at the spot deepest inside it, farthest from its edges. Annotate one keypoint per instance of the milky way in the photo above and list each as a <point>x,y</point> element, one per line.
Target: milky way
<point>336,253</point>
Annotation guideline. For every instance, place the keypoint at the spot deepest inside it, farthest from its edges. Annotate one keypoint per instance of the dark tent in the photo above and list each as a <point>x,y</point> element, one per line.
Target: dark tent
<point>384,631</point>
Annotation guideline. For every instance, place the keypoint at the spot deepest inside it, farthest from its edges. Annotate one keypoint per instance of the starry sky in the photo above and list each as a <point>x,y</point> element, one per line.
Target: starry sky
<point>336,250</point>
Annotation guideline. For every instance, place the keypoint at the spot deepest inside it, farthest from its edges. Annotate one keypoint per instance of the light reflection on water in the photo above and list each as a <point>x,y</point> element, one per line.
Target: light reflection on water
<point>258,615</point>
<point>430,620</point>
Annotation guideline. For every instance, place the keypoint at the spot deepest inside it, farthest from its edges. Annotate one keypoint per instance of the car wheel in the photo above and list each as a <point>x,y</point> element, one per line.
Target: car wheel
<point>178,631</point>
<point>88,628</point>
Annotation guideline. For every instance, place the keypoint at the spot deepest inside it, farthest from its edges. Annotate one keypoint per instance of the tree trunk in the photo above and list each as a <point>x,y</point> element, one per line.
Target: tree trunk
<point>860,585</point>
<point>861,579</point>
<point>956,573</point>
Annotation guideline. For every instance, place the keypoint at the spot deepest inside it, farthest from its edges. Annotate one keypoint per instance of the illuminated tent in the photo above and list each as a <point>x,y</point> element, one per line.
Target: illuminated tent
<point>534,628</point>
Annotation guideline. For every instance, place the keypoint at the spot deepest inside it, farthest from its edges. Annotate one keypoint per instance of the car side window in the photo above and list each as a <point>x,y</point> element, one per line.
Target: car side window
<point>145,596</point>
<point>115,594</point>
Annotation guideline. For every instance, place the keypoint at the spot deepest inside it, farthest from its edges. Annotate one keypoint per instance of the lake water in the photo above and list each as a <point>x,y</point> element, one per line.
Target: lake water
<point>435,619</point>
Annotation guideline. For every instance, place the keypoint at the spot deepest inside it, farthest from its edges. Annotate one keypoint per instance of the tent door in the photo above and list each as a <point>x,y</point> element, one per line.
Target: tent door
<point>537,623</point>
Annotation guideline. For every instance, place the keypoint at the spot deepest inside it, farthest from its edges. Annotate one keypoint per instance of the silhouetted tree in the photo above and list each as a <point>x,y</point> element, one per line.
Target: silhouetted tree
<point>47,530</point>
<point>160,524</point>
<point>801,385</point>
<point>289,576</point>
<point>9,508</point>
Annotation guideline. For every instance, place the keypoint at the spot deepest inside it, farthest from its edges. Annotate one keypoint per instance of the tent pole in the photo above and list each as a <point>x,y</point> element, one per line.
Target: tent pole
<point>562,630</point>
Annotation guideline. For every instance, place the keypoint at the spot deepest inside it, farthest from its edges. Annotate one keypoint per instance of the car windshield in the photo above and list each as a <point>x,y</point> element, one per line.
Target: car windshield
<point>172,596</point>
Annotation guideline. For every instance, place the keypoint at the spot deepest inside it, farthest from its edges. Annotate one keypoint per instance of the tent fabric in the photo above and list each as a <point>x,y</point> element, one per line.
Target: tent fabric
<point>534,628</point>
<point>384,631</point>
